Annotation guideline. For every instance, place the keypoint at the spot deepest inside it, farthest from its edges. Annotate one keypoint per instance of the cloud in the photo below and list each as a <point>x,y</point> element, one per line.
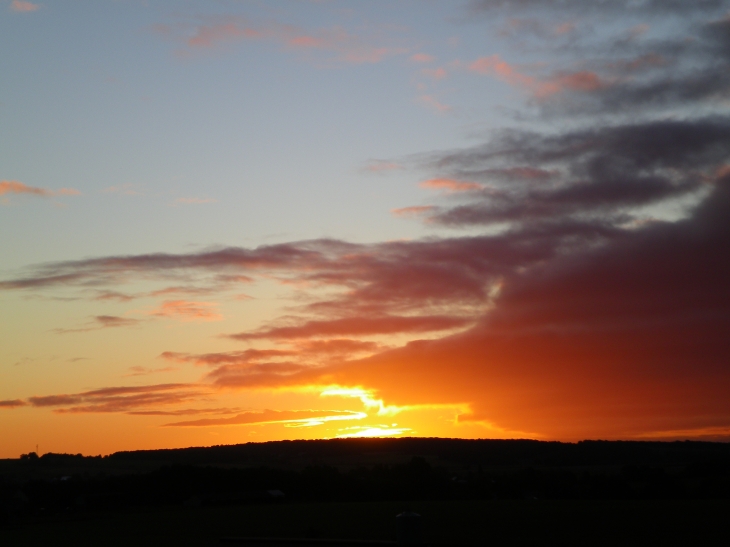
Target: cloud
<point>435,73</point>
<point>621,6</point>
<point>23,7</point>
<point>188,311</point>
<point>124,189</point>
<point>303,417</point>
<point>341,45</point>
<point>413,211</point>
<point>15,187</point>
<point>422,58</point>
<point>143,371</point>
<point>357,326</point>
<point>450,185</point>
<point>13,403</point>
<point>102,322</point>
<point>541,88</point>
<point>431,102</point>
<point>121,399</point>
<point>380,166</point>
<point>606,171</point>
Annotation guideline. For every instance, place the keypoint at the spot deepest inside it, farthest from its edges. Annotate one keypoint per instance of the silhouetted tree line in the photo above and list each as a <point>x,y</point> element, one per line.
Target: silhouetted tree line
<point>472,470</point>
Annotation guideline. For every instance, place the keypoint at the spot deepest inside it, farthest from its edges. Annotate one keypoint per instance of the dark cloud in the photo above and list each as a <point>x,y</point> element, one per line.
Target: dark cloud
<point>102,322</point>
<point>13,403</point>
<point>610,6</point>
<point>604,171</point>
<point>121,399</point>
<point>357,326</point>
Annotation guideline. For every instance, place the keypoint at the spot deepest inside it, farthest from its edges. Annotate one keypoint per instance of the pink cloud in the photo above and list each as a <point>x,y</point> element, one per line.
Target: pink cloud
<point>414,211</point>
<point>451,185</point>
<point>188,311</point>
<point>379,166</point>
<point>422,58</point>
<point>346,47</point>
<point>435,73</point>
<point>495,66</point>
<point>23,7</point>
<point>433,103</point>
<point>565,28</point>
<point>541,88</point>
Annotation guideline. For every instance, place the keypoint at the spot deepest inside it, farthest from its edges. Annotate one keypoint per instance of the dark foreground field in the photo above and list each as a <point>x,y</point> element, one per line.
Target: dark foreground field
<point>501,522</point>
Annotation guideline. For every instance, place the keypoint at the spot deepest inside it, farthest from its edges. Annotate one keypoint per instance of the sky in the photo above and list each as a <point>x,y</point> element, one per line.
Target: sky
<point>232,221</point>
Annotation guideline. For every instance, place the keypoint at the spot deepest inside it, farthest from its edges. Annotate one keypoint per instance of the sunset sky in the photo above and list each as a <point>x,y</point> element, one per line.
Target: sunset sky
<point>231,221</point>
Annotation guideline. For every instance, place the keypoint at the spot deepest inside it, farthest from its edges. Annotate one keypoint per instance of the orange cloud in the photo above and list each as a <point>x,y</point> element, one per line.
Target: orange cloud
<point>23,7</point>
<point>15,187</point>
<point>302,417</point>
<point>450,185</point>
<point>188,311</point>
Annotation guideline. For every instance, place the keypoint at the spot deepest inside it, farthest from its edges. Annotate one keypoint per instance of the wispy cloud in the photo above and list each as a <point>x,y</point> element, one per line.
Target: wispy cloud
<point>382,166</point>
<point>124,189</point>
<point>451,185</point>
<point>435,73</point>
<point>15,187</point>
<point>340,44</point>
<point>300,417</point>
<point>413,211</point>
<point>186,310</point>
<point>422,58</point>
<point>121,399</point>
<point>23,7</point>
<point>13,403</point>
<point>145,371</point>
<point>431,102</point>
<point>101,322</point>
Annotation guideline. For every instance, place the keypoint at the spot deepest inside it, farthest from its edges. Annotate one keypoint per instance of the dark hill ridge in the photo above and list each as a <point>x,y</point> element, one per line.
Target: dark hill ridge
<point>445,452</point>
<point>372,470</point>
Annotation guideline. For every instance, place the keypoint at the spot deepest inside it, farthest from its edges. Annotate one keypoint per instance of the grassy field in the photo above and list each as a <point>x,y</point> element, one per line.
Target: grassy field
<point>503,523</point>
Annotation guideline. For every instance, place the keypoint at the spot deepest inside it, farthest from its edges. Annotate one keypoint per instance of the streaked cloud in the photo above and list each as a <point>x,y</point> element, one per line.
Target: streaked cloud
<point>15,187</point>
<point>451,185</point>
<point>121,399</point>
<point>336,42</point>
<point>433,103</point>
<point>381,166</point>
<point>23,7</point>
<point>422,58</point>
<point>101,322</point>
<point>12,403</point>
<point>298,417</point>
<point>186,310</point>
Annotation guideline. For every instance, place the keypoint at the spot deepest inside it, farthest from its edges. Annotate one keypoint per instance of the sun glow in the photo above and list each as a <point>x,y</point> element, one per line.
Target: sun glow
<point>367,398</point>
